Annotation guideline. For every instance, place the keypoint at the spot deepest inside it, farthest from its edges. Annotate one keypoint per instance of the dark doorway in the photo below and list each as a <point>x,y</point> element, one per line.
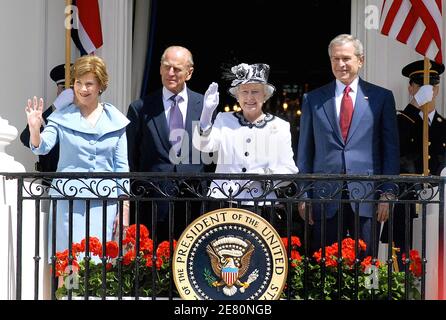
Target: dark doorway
<point>291,36</point>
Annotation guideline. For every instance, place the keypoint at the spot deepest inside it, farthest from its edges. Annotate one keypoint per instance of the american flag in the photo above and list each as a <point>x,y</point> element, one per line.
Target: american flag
<point>417,23</point>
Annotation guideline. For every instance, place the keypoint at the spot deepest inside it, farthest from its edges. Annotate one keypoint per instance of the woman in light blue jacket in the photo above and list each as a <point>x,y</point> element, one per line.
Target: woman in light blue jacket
<point>92,139</point>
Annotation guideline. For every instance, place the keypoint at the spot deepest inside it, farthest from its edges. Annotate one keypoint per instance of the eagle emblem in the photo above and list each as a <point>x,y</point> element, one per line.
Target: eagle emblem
<point>230,259</point>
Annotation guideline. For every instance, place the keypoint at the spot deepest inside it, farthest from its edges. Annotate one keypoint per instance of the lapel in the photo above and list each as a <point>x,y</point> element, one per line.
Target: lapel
<point>160,121</point>
<point>330,109</point>
<point>361,105</point>
<point>193,112</point>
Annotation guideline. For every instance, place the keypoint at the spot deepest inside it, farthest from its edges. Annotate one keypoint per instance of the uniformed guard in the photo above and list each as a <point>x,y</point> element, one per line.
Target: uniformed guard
<point>410,121</point>
<point>410,127</point>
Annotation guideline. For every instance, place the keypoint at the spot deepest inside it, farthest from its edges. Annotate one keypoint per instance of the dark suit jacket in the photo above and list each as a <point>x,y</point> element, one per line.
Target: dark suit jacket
<point>372,144</point>
<point>410,127</point>
<point>48,162</point>
<point>148,136</point>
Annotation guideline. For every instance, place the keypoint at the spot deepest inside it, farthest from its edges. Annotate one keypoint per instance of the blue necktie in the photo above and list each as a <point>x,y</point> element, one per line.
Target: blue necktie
<point>175,123</point>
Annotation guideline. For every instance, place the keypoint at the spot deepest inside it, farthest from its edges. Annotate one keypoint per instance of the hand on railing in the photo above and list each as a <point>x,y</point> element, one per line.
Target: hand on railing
<point>301,208</point>
<point>383,207</point>
<point>125,220</point>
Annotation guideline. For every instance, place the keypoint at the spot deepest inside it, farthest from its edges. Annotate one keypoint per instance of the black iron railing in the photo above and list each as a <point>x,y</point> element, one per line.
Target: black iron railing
<point>180,198</point>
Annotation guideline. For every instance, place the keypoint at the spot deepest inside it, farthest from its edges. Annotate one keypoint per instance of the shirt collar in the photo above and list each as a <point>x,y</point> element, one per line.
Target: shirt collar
<point>431,116</point>
<point>353,86</point>
<point>167,93</point>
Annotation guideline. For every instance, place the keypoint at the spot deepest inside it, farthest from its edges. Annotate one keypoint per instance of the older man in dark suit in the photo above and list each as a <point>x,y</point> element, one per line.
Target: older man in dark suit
<point>160,133</point>
<point>348,127</point>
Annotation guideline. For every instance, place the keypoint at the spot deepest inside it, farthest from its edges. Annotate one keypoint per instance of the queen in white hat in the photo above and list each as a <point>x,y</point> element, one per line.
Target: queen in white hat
<point>246,141</point>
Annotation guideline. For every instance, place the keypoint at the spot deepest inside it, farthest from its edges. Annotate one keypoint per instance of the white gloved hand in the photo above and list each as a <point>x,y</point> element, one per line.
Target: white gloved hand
<point>210,103</point>
<point>64,98</point>
<point>424,94</point>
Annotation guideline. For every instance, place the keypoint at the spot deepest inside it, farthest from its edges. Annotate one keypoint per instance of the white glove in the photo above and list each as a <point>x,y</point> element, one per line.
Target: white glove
<point>64,98</point>
<point>424,94</point>
<point>210,103</point>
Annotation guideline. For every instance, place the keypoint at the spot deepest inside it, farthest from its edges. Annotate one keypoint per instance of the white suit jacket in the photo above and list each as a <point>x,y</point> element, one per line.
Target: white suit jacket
<point>263,148</point>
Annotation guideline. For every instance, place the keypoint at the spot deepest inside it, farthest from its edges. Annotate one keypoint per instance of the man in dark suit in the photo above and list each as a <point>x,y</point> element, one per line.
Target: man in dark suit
<point>160,135</point>
<point>48,162</point>
<point>410,126</point>
<point>347,127</point>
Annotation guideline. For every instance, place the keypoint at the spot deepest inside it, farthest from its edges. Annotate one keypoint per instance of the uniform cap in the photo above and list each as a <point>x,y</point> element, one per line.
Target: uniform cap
<point>57,74</point>
<point>414,71</point>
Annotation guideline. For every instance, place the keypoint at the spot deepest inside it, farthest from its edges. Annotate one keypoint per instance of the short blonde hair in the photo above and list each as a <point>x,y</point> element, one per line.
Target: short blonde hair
<point>94,64</point>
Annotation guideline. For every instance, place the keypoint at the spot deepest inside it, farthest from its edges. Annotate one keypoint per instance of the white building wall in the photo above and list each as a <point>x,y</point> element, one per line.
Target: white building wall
<point>22,63</point>
<point>116,19</point>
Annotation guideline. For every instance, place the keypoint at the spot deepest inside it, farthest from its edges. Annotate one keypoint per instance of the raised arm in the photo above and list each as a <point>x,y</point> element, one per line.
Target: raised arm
<point>34,112</point>
<point>210,103</point>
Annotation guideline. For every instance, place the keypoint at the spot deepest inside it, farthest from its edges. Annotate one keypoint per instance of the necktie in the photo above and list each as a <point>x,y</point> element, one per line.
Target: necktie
<point>345,116</point>
<point>175,124</point>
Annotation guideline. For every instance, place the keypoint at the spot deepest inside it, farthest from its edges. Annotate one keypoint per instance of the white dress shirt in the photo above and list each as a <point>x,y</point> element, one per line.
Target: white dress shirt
<point>431,116</point>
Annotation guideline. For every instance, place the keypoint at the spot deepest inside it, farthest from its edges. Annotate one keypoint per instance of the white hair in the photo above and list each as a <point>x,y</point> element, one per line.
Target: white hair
<point>268,89</point>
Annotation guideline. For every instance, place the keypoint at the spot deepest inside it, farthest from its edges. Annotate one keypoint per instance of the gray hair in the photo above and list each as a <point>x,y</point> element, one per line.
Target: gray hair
<point>190,59</point>
<point>269,90</point>
<point>342,39</point>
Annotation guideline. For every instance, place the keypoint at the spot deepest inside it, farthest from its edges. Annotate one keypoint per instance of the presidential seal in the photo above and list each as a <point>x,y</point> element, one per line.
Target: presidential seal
<point>230,254</point>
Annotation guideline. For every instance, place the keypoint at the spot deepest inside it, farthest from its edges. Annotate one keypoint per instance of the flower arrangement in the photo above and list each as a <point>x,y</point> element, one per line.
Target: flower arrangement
<point>130,265</point>
<point>303,271</point>
<point>372,275</point>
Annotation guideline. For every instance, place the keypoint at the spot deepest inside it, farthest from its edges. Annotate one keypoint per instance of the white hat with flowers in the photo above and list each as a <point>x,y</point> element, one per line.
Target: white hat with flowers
<point>250,73</point>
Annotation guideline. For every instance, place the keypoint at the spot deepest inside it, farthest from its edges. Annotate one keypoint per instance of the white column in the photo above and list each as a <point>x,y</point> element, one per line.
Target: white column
<point>8,230</point>
<point>139,52</point>
<point>116,20</point>
<point>22,26</point>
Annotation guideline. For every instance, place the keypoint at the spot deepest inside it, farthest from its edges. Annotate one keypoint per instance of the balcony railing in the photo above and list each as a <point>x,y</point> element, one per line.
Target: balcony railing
<point>184,197</point>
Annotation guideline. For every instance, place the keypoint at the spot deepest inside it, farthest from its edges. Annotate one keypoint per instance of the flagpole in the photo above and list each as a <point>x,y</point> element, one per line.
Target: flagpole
<point>425,109</point>
<point>67,45</point>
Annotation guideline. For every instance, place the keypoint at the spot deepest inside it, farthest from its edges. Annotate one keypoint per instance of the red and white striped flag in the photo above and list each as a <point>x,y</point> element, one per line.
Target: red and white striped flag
<point>417,23</point>
<point>88,37</point>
